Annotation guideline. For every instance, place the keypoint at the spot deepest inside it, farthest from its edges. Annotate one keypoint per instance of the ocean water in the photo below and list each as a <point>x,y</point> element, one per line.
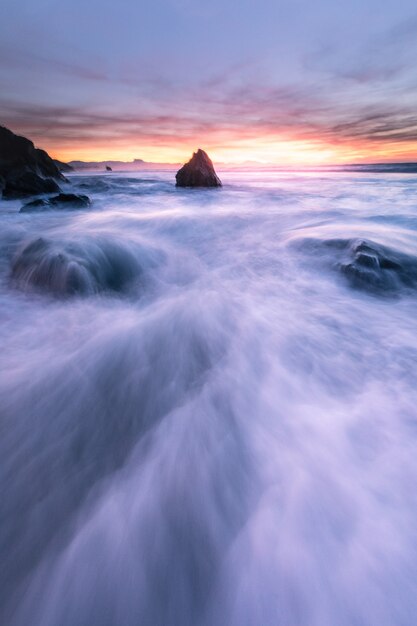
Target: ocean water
<point>209,403</point>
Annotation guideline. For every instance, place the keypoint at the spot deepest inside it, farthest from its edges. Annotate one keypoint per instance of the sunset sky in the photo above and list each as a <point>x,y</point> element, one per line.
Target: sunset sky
<point>273,81</point>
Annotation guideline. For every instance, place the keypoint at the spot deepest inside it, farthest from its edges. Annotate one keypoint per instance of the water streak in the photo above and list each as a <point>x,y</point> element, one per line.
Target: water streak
<point>208,404</point>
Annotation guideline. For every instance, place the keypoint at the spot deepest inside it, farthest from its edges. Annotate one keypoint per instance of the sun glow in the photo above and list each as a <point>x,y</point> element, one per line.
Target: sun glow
<point>265,150</point>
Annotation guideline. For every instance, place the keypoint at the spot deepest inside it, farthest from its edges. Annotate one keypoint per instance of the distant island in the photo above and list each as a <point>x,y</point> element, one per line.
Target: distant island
<point>136,164</point>
<point>140,164</point>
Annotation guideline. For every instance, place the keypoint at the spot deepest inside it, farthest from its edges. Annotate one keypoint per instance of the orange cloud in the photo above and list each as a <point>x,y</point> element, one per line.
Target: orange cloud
<point>291,132</point>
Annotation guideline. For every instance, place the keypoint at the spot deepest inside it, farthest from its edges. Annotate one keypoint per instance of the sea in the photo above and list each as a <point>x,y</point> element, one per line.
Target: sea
<point>208,402</point>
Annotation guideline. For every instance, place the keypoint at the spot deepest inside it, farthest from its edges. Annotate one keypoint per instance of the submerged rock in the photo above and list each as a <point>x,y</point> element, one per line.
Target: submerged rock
<point>26,170</point>
<point>367,265</point>
<point>61,201</point>
<point>198,172</point>
<point>375,268</point>
<point>71,268</point>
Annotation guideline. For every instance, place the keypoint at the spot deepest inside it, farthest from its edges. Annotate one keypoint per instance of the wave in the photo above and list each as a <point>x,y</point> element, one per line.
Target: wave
<point>205,419</point>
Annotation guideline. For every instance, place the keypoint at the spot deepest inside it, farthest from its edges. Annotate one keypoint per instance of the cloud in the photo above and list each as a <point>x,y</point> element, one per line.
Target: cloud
<point>386,125</point>
<point>33,61</point>
<point>221,112</point>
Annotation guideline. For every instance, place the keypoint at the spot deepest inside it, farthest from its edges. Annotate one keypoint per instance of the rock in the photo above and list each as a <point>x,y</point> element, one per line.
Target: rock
<point>378,269</point>
<point>63,167</point>
<point>61,201</point>
<point>198,172</point>
<point>28,184</point>
<point>66,268</point>
<point>108,168</point>
<point>79,201</point>
<point>25,169</point>
<point>366,265</point>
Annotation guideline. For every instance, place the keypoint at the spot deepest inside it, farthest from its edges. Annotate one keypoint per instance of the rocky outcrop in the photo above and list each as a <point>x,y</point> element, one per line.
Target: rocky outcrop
<point>61,201</point>
<point>28,184</point>
<point>63,167</point>
<point>25,170</point>
<point>198,172</point>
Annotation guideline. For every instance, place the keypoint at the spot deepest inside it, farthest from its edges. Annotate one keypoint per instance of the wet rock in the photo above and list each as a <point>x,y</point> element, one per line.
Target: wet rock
<point>378,269</point>
<point>78,201</point>
<point>25,169</point>
<point>108,168</point>
<point>198,172</point>
<point>28,184</point>
<point>366,265</point>
<point>61,201</point>
<point>74,268</point>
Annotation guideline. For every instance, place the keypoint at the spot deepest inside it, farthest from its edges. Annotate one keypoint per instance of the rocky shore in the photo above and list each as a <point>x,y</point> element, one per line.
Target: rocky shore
<point>28,171</point>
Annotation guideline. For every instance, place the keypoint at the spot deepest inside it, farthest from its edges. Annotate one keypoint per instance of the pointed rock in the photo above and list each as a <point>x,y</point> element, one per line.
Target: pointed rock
<point>198,172</point>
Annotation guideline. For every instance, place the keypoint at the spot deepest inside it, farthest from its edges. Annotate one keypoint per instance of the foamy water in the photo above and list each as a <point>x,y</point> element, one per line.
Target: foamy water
<point>208,404</point>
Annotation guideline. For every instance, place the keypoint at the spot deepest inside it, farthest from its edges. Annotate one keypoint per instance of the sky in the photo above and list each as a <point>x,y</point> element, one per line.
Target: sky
<point>283,82</point>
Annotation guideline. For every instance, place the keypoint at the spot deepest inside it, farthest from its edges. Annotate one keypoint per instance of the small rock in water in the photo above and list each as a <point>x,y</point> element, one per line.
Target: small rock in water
<point>61,201</point>
<point>74,268</point>
<point>198,172</point>
<point>378,269</point>
<point>367,265</point>
<point>108,168</point>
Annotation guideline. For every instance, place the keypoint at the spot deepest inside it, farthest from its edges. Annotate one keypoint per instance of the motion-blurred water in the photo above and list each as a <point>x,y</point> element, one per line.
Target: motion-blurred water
<point>209,404</point>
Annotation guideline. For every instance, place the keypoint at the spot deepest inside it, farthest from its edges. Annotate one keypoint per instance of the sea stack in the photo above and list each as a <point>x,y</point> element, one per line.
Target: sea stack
<point>24,169</point>
<point>198,172</point>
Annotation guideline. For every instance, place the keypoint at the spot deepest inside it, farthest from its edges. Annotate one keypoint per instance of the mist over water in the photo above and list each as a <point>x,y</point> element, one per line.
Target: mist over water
<point>208,403</point>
